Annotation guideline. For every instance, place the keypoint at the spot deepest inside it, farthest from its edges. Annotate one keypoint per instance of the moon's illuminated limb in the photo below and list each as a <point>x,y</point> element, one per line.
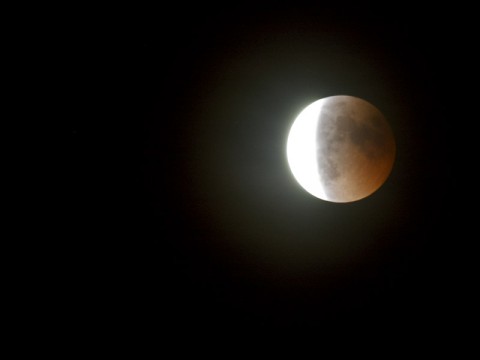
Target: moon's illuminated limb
<point>302,149</point>
<point>341,149</point>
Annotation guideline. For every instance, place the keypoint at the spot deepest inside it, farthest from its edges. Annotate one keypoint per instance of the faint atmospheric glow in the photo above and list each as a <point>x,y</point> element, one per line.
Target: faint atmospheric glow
<point>302,149</point>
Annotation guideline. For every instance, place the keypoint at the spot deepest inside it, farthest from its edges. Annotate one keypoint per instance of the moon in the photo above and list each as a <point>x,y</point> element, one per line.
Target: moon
<point>341,149</point>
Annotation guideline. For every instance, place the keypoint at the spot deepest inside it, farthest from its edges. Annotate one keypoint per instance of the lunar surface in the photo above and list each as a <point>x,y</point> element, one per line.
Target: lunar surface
<point>341,149</point>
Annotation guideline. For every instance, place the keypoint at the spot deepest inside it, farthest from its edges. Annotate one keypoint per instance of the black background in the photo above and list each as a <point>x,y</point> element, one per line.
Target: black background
<point>201,224</point>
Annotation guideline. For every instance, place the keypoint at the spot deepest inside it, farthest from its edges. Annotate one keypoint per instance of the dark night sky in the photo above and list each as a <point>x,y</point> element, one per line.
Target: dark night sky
<point>223,236</point>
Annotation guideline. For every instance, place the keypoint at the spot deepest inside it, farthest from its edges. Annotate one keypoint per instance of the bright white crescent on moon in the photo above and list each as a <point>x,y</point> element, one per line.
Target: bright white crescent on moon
<point>341,149</point>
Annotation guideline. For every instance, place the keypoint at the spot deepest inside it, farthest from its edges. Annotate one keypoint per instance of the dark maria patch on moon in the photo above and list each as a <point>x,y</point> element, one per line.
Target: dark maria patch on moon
<point>368,139</point>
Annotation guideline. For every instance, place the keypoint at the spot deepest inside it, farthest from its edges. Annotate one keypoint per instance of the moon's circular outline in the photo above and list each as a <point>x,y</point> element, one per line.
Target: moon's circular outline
<point>302,151</point>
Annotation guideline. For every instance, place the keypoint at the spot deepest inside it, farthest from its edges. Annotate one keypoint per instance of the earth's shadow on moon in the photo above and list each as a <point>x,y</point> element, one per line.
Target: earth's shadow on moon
<point>355,148</point>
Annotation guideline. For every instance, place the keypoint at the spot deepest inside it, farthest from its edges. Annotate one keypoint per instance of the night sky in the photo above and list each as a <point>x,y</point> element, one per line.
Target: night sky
<point>224,237</point>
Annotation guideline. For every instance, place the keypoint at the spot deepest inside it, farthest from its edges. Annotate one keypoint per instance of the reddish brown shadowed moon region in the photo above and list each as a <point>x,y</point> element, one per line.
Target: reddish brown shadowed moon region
<point>341,149</point>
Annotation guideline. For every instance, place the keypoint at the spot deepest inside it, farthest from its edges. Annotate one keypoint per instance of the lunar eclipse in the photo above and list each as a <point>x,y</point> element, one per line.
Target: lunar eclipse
<point>341,149</point>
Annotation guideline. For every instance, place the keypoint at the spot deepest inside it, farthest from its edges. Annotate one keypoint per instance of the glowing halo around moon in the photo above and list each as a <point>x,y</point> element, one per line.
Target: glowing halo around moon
<point>341,149</point>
